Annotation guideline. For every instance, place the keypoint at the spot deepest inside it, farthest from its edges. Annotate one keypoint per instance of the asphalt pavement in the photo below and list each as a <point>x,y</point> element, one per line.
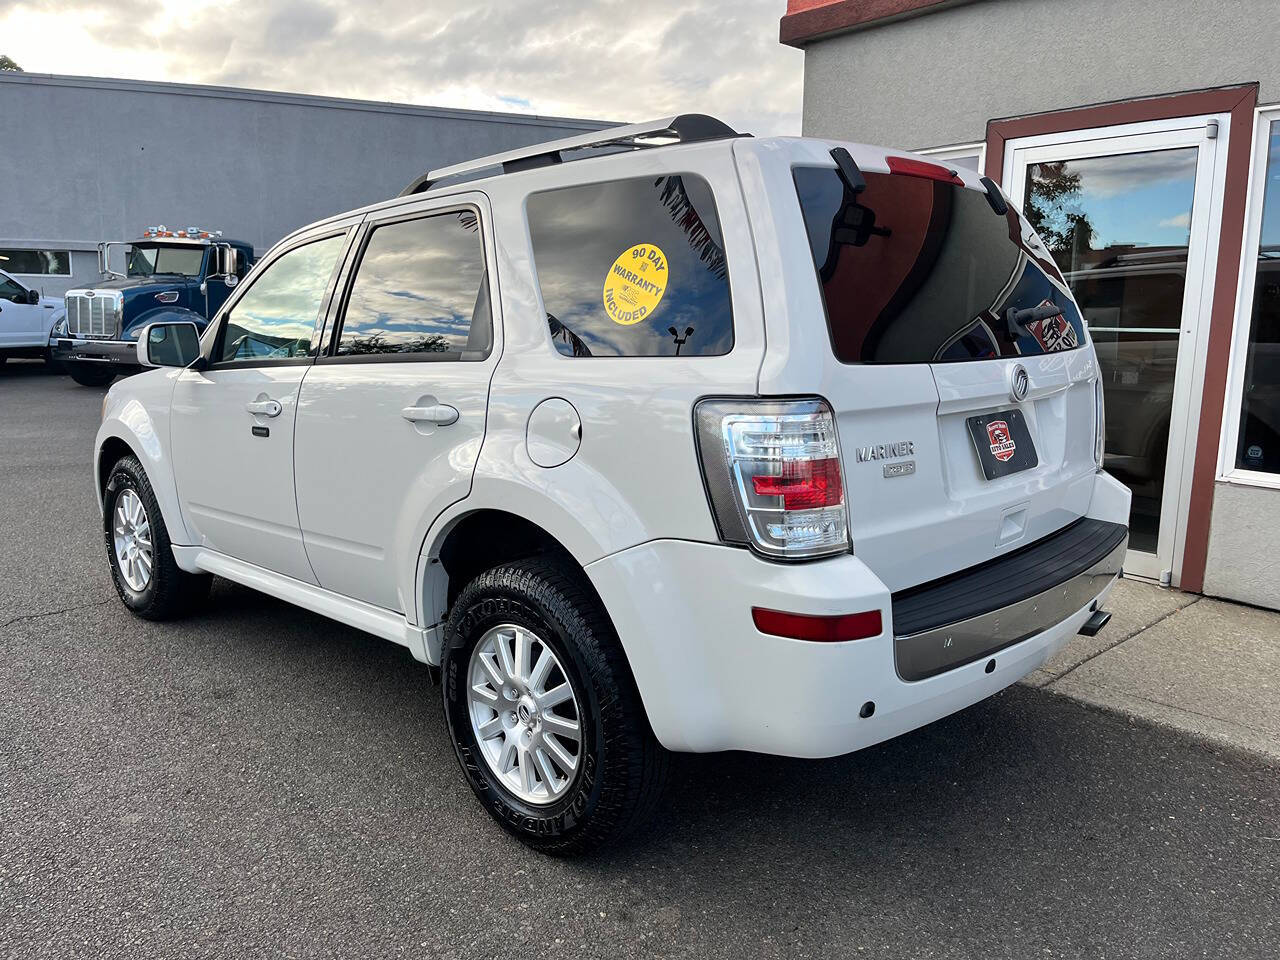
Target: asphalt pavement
<point>258,782</point>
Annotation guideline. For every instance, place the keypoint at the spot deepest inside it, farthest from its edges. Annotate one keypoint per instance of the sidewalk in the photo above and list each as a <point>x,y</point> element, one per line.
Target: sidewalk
<point>1204,666</point>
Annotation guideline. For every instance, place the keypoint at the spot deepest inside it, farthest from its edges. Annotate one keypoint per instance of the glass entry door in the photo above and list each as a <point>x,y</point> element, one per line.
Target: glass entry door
<point>1130,215</point>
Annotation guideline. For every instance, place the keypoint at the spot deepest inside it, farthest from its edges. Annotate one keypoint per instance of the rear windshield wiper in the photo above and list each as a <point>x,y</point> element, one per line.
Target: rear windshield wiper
<point>1018,319</point>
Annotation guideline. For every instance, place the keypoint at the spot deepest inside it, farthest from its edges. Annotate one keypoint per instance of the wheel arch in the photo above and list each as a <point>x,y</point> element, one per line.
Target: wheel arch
<point>479,539</point>
<point>472,541</point>
<point>130,431</point>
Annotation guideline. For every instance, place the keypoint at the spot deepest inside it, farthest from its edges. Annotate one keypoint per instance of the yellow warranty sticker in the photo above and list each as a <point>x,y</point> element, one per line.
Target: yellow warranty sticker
<point>634,286</point>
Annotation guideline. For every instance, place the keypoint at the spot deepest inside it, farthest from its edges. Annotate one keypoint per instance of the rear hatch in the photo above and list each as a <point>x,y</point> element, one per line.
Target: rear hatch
<point>965,432</point>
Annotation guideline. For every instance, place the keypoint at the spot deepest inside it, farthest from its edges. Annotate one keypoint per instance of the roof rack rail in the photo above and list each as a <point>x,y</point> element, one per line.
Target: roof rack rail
<point>684,128</point>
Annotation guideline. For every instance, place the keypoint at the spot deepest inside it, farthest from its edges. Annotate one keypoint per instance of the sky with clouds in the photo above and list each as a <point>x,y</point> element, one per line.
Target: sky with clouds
<point>603,59</point>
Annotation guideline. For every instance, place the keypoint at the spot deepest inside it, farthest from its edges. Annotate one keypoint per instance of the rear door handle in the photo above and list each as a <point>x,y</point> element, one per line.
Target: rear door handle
<point>264,408</point>
<point>438,413</point>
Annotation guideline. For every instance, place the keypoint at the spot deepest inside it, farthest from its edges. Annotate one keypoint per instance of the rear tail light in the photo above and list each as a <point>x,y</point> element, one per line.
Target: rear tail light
<point>1099,423</point>
<point>772,469</point>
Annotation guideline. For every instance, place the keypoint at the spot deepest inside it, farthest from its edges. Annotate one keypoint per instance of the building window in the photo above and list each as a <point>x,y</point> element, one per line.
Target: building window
<point>1256,385</point>
<point>46,263</point>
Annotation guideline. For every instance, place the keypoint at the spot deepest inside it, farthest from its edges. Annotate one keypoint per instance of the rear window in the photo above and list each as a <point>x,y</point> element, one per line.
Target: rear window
<point>914,270</point>
<point>633,268</point>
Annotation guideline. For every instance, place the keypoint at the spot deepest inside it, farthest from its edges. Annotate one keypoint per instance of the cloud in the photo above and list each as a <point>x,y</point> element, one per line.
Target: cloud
<point>1181,222</point>
<point>602,59</point>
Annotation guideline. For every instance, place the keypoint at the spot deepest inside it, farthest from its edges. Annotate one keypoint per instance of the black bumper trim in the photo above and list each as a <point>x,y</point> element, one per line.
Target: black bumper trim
<point>1006,580</point>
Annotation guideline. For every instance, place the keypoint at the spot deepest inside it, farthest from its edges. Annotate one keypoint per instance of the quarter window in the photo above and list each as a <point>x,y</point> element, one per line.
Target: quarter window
<point>633,268</point>
<point>420,289</point>
<point>276,318</point>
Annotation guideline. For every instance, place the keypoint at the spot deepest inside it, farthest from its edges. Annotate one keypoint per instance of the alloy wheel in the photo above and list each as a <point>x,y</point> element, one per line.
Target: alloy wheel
<point>132,538</point>
<point>524,713</point>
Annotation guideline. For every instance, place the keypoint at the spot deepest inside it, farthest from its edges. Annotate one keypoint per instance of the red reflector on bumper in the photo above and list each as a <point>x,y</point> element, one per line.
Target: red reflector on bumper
<point>801,626</point>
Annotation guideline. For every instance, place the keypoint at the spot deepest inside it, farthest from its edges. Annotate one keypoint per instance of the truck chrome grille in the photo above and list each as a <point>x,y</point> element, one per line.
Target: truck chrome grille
<point>94,317</point>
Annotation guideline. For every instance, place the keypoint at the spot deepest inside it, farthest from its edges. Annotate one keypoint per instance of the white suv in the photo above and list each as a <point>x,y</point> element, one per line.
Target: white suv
<point>663,438</point>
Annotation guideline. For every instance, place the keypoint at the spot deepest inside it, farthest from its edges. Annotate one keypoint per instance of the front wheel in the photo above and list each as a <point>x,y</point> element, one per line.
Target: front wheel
<point>148,580</point>
<point>544,714</point>
<point>90,374</point>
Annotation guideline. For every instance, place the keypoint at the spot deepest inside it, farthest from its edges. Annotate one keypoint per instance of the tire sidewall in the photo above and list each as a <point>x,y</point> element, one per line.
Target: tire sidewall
<point>122,479</point>
<point>568,816</point>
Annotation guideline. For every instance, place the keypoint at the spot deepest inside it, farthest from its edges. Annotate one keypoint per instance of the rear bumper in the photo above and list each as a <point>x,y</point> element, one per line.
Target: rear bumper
<point>711,681</point>
<point>97,351</point>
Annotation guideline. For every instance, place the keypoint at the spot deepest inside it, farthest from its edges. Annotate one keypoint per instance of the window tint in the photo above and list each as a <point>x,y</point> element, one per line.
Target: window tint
<point>914,270</point>
<point>420,288</point>
<point>633,268</point>
<point>276,317</point>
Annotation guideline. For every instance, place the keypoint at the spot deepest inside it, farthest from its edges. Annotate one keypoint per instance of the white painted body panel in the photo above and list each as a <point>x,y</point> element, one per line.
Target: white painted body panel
<point>369,482</point>
<point>348,517</point>
<point>945,516</point>
<point>136,412</point>
<point>711,681</point>
<point>236,488</point>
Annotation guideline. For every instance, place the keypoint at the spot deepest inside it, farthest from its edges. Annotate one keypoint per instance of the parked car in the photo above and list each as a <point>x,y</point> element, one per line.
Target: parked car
<point>170,276</point>
<point>26,317</point>
<point>662,438</point>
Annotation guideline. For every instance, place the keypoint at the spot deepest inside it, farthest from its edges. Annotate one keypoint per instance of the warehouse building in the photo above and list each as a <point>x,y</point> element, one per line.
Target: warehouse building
<point>88,160</point>
<point>1144,144</point>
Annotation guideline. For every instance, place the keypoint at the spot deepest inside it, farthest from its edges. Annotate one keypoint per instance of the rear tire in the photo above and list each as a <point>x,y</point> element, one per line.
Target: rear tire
<point>619,766</point>
<point>147,579</point>
<point>90,374</point>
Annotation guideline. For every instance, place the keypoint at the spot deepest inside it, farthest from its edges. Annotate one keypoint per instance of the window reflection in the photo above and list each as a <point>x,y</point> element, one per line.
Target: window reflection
<point>1259,446</point>
<point>420,288</point>
<point>1119,228</point>
<point>582,235</point>
<point>914,270</point>
<point>276,318</point>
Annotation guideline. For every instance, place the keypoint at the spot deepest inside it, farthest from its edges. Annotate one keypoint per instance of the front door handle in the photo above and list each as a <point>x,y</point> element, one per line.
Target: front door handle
<point>438,413</point>
<point>264,408</point>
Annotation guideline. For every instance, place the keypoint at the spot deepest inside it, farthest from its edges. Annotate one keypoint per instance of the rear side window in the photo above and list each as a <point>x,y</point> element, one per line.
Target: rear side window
<point>420,288</point>
<point>633,268</point>
<point>914,270</point>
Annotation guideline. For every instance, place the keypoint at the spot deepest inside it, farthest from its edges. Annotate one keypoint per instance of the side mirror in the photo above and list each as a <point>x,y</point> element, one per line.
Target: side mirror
<point>169,344</point>
<point>33,297</point>
<point>230,261</point>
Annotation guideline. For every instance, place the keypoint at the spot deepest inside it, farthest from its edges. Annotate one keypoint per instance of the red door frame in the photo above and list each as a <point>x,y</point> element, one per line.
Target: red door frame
<point>1240,102</point>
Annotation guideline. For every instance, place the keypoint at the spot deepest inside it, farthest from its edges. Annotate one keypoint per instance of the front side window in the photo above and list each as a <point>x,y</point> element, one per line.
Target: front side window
<point>420,288</point>
<point>633,268</point>
<point>916,270</point>
<point>1259,446</point>
<point>12,290</point>
<point>149,260</point>
<point>277,316</point>
<point>55,263</point>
